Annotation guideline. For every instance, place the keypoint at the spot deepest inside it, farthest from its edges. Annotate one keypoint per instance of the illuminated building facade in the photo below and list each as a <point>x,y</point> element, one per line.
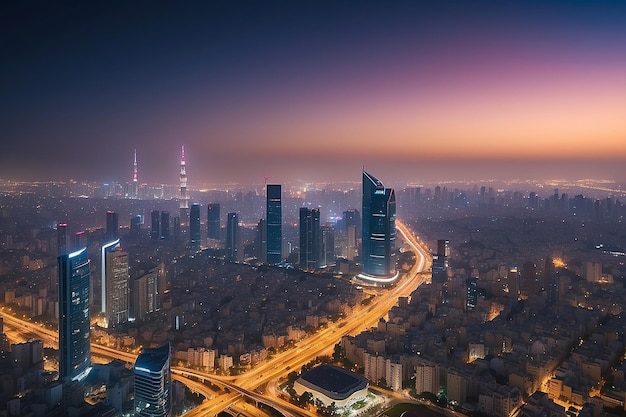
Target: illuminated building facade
<point>379,231</point>
<point>153,382</point>
<point>115,278</point>
<point>113,225</point>
<point>274,225</point>
<point>165,225</point>
<point>310,238</point>
<point>74,324</point>
<point>61,238</point>
<point>184,199</point>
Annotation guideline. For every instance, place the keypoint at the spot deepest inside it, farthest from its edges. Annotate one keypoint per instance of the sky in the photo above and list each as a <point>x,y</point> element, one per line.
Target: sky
<point>313,90</point>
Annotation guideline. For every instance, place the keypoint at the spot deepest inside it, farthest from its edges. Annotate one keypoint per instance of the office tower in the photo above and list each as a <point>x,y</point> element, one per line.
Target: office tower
<point>113,227</point>
<point>274,218</point>
<point>184,199</point>
<point>379,228</point>
<point>153,382</point>
<point>74,343</point>
<point>529,278</point>
<point>513,283</point>
<point>155,225</point>
<point>115,291</point>
<point>440,262</point>
<point>351,243</point>
<point>61,239</point>
<point>310,238</point>
<point>165,225</point>
<point>134,192</point>
<point>79,240</point>
<point>352,218</point>
<point>443,248</point>
<point>471,300</point>
<point>135,226</point>
<point>261,240</point>
<point>213,221</point>
<point>439,269</point>
<point>328,244</point>
<point>145,294</point>
<point>194,226</point>
<point>177,232</point>
<point>232,236</point>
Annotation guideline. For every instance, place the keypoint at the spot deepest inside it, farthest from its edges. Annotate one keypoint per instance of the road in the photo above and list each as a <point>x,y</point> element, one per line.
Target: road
<point>321,343</point>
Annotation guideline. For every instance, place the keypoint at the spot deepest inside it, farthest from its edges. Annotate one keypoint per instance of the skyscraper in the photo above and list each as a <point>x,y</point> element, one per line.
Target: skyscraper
<point>113,226</point>
<point>232,236</point>
<point>328,245</point>
<point>194,226</point>
<point>61,238</point>
<point>261,240</point>
<point>274,216</point>
<point>115,284</point>
<point>213,221</point>
<point>155,225</point>
<point>135,226</point>
<point>79,240</point>
<point>74,324</point>
<point>165,225</point>
<point>153,382</point>
<point>379,230</point>
<point>310,238</point>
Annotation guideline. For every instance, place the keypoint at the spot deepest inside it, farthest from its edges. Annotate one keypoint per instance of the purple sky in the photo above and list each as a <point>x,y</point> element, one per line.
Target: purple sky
<point>313,90</point>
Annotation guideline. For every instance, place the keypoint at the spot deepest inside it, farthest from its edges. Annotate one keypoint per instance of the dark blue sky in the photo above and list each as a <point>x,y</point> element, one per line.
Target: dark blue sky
<point>312,90</point>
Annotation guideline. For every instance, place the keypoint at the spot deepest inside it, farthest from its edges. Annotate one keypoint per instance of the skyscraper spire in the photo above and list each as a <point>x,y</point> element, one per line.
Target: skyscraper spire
<point>184,200</point>
<point>135,168</point>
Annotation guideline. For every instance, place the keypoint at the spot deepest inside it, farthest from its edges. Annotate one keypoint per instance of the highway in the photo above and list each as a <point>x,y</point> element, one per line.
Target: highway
<point>321,343</point>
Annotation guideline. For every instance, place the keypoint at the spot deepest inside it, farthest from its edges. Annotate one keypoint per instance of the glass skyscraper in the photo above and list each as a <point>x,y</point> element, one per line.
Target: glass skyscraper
<point>153,382</point>
<point>74,325</point>
<point>378,229</point>
<point>194,226</point>
<point>213,221</point>
<point>232,232</point>
<point>274,226</point>
<point>310,238</point>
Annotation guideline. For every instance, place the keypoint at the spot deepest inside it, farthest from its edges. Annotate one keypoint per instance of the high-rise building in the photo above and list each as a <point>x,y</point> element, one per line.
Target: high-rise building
<point>328,244</point>
<point>379,230</point>
<point>153,382</point>
<point>113,227</point>
<point>513,283</point>
<point>440,261</point>
<point>274,217</point>
<point>529,278</point>
<point>471,299</point>
<point>115,286</point>
<point>155,225</point>
<point>310,238</point>
<point>194,226</point>
<point>145,294</point>
<point>74,324</point>
<point>165,225</point>
<point>213,221</point>
<point>61,238</point>
<point>261,240</point>
<point>135,226</point>
<point>352,217</point>
<point>184,199</point>
<point>232,237</point>
<point>79,240</point>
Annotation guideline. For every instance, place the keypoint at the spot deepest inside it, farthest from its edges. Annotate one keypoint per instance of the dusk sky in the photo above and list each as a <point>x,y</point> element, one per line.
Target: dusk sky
<point>414,91</point>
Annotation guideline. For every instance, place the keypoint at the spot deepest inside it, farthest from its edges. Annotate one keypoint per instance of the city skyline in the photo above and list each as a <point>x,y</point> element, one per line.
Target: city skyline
<point>412,91</point>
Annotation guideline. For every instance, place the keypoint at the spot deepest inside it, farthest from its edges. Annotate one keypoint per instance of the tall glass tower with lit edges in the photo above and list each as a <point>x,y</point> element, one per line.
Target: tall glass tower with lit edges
<point>153,382</point>
<point>274,225</point>
<point>74,333</point>
<point>378,230</point>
